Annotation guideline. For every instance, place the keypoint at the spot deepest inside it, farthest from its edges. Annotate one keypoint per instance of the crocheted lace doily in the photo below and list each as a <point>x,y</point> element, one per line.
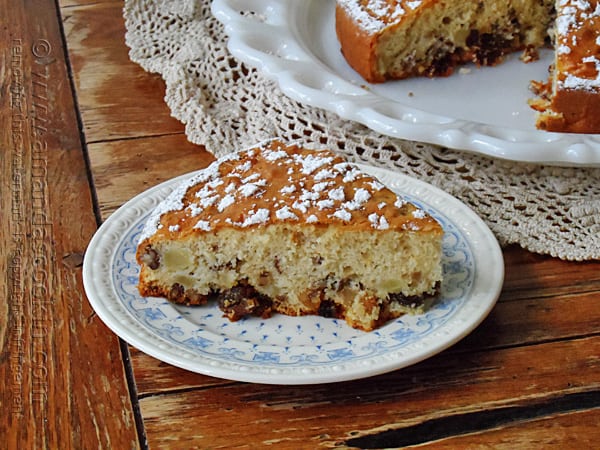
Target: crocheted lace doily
<point>226,105</point>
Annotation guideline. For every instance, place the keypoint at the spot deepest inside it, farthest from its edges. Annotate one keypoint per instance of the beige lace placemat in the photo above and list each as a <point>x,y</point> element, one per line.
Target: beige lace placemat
<point>226,105</point>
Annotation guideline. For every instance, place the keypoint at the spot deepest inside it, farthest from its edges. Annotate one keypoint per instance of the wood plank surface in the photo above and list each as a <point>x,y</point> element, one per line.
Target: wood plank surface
<point>527,377</point>
<point>117,99</point>
<point>528,274</point>
<point>450,387</point>
<point>574,430</point>
<point>62,371</point>
<point>122,169</point>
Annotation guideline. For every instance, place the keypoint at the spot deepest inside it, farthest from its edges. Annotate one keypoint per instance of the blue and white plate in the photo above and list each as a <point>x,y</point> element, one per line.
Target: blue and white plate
<point>294,350</point>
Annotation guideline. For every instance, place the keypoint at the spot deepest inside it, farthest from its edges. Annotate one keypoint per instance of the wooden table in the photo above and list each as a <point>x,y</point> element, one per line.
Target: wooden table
<point>83,130</point>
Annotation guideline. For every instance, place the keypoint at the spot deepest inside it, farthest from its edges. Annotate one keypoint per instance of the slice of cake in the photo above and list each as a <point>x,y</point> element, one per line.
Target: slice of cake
<point>281,228</point>
<point>570,100</point>
<point>395,39</point>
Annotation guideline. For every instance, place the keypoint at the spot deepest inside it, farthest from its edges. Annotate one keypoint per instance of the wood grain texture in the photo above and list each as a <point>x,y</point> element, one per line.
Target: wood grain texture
<point>123,169</point>
<point>154,377</point>
<point>531,275</point>
<point>61,369</point>
<point>573,430</point>
<point>322,415</point>
<point>116,97</point>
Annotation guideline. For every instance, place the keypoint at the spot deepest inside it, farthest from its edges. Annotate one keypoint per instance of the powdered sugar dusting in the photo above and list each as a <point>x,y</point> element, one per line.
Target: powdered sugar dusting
<point>378,222</point>
<point>324,175</point>
<point>250,189</point>
<point>325,204</point>
<point>337,194</point>
<point>273,183</point>
<point>342,214</point>
<point>361,197</point>
<point>226,201</point>
<point>271,155</point>
<point>290,188</point>
<point>399,203</point>
<point>203,225</point>
<point>257,218</point>
<point>573,15</point>
<point>374,15</point>
<point>311,163</point>
<point>419,214</point>
<point>285,213</point>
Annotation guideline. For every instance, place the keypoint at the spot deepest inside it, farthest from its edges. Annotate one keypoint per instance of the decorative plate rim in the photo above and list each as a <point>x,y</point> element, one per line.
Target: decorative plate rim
<point>467,308</point>
<point>302,77</point>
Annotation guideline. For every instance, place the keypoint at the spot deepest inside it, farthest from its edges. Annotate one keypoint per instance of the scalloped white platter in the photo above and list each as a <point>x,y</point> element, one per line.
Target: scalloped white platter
<point>294,350</point>
<point>481,110</point>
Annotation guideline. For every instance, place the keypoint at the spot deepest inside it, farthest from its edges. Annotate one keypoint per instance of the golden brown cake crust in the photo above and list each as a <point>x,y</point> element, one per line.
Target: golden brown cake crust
<point>357,46</point>
<point>571,111</point>
<point>271,184</point>
<point>571,98</point>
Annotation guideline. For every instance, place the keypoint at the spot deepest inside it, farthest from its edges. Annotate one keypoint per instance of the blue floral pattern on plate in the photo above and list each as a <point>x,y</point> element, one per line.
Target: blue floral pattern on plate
<point>285,349</point>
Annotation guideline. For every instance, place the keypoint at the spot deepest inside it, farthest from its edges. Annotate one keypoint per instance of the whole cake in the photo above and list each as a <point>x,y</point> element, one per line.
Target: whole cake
<point>281,228</point>
<point>396,39</point>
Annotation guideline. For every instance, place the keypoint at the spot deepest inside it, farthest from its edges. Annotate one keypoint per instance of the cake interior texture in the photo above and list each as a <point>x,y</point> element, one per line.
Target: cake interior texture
<point>363,278</point>
<point>280,228</point>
